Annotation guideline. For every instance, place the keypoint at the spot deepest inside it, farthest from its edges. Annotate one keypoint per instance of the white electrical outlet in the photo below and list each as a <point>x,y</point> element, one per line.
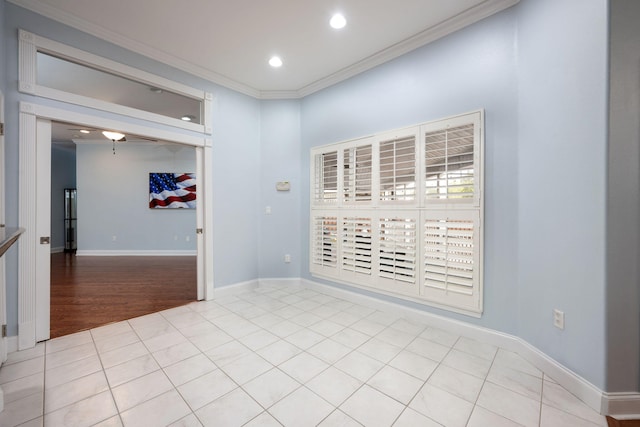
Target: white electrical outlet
<point>287,258</point>
<point>267,210</point>
<point>187,238</point>
<point>113,238</point>
<point>558,319</point>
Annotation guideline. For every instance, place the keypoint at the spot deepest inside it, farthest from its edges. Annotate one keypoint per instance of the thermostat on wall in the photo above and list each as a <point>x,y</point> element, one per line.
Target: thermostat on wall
<point>283,186</point>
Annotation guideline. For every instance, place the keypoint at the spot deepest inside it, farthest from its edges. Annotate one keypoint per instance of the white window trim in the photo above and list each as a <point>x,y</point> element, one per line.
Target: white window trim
<point>420,208</point>
<point>30,44</point>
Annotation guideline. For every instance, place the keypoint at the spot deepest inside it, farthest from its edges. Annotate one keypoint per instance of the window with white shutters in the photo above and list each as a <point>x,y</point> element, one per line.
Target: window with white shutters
<point>357,167</point>
<point>401,212</point>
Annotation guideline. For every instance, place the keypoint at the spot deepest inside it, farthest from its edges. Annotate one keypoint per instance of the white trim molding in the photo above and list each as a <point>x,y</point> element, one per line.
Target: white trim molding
<point>129,252</point>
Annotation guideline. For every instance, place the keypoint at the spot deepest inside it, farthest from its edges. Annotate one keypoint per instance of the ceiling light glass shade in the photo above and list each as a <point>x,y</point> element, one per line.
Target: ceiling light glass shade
<point>114,136</point>
<point>84,131</point>
<point>338,21</point>
<point>275,62</point>
<point>187,118</point>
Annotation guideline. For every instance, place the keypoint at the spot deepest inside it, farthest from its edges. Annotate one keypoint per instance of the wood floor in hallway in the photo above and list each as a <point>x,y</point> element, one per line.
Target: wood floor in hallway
<point>88,291</point>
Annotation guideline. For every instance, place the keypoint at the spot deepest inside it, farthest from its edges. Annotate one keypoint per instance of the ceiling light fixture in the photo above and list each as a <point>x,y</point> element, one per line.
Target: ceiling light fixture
<point>338,21</point>
<point>187,118</point>
<point>114,136</point>
<point>84,131</point>
<point>275,62</point>
<point>155,90</point>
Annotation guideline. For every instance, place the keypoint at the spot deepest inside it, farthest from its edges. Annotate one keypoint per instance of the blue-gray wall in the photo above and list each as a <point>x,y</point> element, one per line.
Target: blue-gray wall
<point>562,142</point>
<point>623,213</point>
<point>280,161</point>
<point>63,175</point>
<point>113,198</point>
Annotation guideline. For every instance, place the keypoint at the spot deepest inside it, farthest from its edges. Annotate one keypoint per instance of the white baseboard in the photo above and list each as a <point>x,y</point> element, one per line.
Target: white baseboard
<point>234,289</point>
<point>621,406</point>
<point>57,250</point>
<point>137,253</point>
<point>278,281</point>
<point>12,344</point>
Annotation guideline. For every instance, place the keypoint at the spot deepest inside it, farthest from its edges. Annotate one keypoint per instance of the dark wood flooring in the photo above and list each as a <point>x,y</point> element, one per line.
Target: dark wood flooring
<point>89,291</point>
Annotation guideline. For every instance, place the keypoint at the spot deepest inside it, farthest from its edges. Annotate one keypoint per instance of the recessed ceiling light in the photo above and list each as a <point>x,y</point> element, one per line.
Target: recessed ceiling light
<point>275,62</point>
<point>84,131</point>
<point>187,118</point>
<point>338,21</point>
<point>155,89</point>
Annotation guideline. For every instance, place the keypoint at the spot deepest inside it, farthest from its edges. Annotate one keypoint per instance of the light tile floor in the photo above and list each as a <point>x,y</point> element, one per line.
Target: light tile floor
<point>279,355</point>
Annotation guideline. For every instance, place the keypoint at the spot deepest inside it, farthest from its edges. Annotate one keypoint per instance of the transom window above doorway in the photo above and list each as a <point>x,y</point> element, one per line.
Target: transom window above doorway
<point>53,70</point>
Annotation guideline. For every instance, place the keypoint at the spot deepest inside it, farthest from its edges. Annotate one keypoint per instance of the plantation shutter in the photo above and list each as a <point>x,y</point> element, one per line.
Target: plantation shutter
<point>451,257</point>
<point>397,251</point>
<point>326,178</point>
<point>357,174</point>
<point>325,242</point>
<point>398,169</point>
<point>449,163</point>
<point>356,245</point>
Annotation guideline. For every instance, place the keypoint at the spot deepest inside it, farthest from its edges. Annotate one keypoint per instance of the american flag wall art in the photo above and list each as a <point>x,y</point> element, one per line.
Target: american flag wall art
<point>172,190</point>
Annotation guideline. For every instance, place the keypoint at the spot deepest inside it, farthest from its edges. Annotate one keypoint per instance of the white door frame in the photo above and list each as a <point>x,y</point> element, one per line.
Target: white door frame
<point>3,293</point>
<point>33,294</point>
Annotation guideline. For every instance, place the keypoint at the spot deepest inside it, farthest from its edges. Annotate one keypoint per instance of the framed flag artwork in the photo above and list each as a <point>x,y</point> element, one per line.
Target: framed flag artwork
<point>172,190</point>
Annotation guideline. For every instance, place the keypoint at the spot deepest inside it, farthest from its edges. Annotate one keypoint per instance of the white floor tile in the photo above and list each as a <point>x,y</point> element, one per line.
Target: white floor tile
<point>86,412</point>
<point>71,371</point>
<point>174,354</point>
<point>517,381</point>
<point>408,326</point>
<point>246,368</point>
<point>189,369</point>
<point>481,417</point>
<point>371,408</point>
<point>131,370</point>
<point>258,339</point>
<point>514,361</point>
<point>326,328</point>
<point>333,385</point>
<point>304,338</point>
<point>468,363</point>
<point>456,382</point>
<point>284,328</point>
<point>440,336</point>
<point>69,355</point>
<point>329,351</point>
<point>367,327</point>
<point>110,422</point>
<point>23,387</point>
<point>123,354</point>
<point>68,341</point>
<point>189,421</point>
<point>279,352</point>
<point>414,364</point>
<point>395,337</point>
<point>556,396</point>
<point>441,406</point>
<point>509,404</point>
<point>207,388</point>
<point>113,342</point>
<point>110,330</point>
<point>396,384</point>
<point>263,420</point>
<point>21,356</point>
<point>22,369</point>
<point>301,408</point>
<point>339,419</point>
<point>270,387</point>
<point>552,417</point>
<point>159,411</point>
<point>476,348</point>
<point>351,338</point>
<point>234,409</point>
<point>228,352</point>
<point>22,410</point>
<point>303,367</point>
<point>140,390</point>
<point>429,349</point>
<point>411,418</point>
<point>163,341</point>
<point>74,391</point>
<point>359,365</point>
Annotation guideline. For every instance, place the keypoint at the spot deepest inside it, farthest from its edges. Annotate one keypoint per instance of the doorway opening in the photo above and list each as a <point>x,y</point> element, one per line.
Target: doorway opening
<point>34,256</point>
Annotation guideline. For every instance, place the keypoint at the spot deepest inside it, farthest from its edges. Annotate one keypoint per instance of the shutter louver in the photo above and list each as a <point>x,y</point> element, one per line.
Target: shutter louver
<point>357,174</point>
<point>397,249</point>
<point>356,245</point>
<point>449,255</point>
<point>326,179</point>
<point>449,156</point>
<point>398,169</point>
<point>325,241</point>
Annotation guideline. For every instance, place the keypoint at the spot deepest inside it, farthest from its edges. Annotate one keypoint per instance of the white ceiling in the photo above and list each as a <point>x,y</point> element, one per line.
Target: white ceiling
<point>230,42</point>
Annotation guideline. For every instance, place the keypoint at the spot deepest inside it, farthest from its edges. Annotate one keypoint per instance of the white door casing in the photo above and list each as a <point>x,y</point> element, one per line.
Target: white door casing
<point>3,288</point>
<point>34,284</point>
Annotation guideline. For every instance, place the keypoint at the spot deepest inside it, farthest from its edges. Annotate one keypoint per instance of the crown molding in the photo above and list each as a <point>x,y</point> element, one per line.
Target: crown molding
<point>468,17</point>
